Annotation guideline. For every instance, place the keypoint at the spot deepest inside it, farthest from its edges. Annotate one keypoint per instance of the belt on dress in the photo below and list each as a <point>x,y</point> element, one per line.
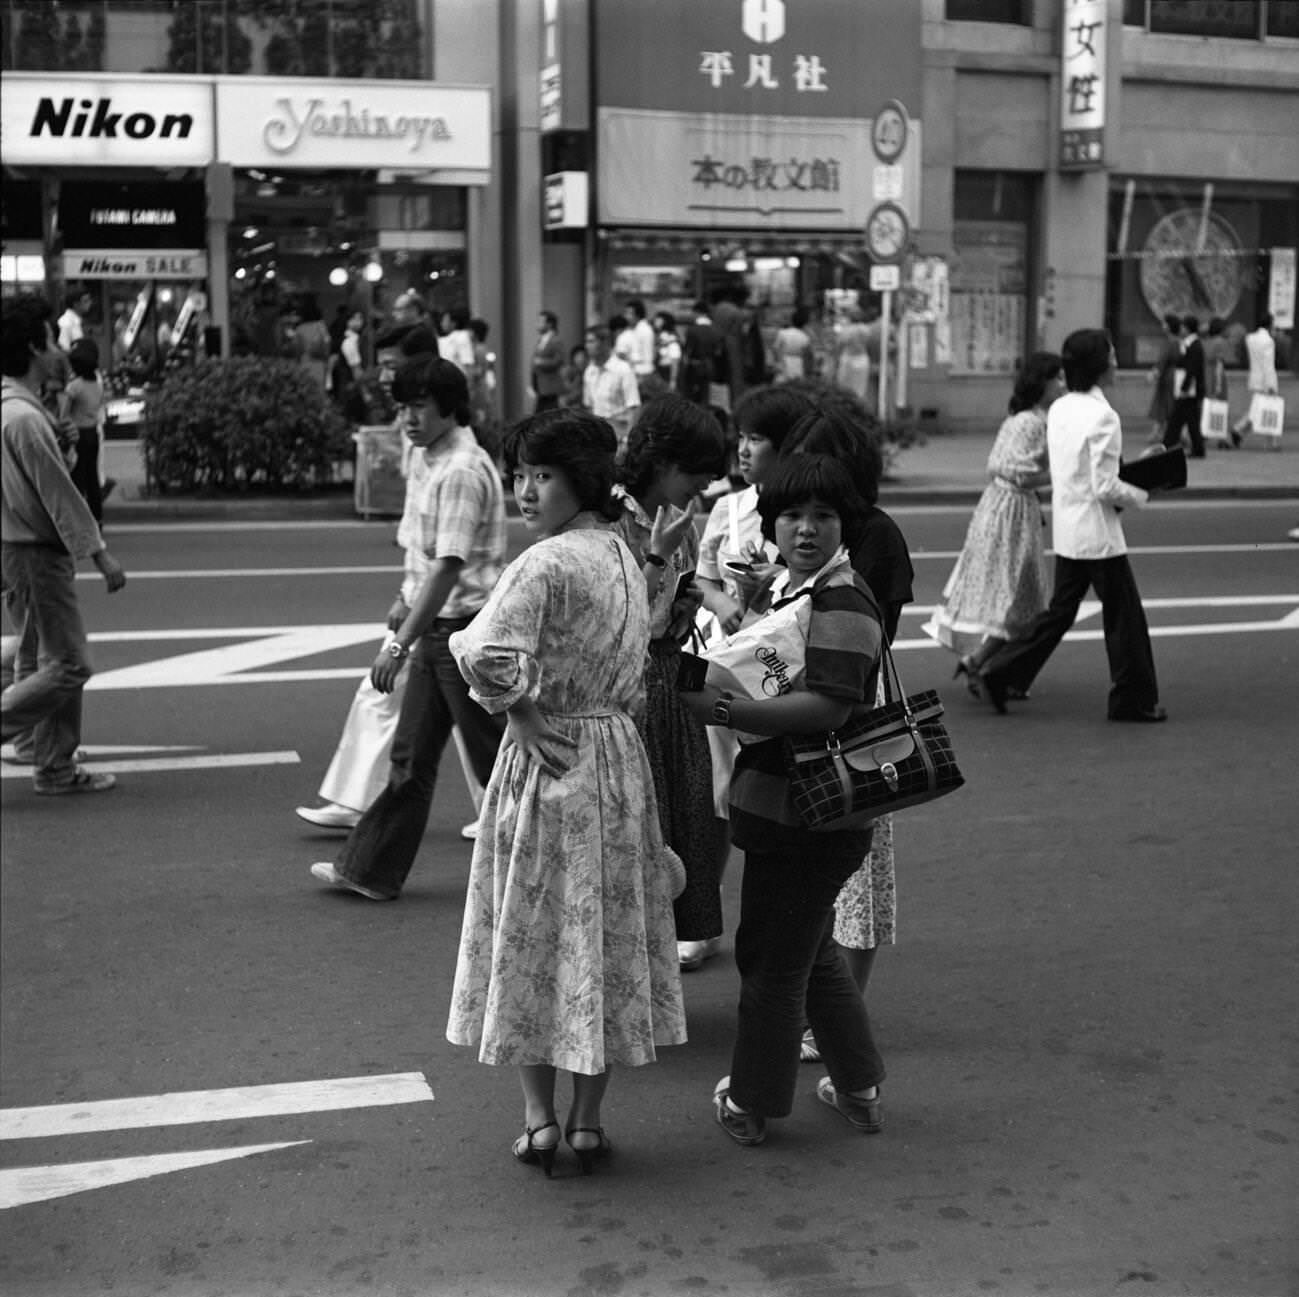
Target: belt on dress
<point>583,716</point>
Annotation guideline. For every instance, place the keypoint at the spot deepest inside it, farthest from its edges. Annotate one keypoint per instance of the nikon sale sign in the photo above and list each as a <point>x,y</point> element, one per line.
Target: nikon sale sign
<point>106,121</point>
<point>112,263</point>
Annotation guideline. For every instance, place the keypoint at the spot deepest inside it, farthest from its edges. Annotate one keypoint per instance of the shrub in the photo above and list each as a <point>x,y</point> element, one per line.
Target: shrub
<point>244,424</point>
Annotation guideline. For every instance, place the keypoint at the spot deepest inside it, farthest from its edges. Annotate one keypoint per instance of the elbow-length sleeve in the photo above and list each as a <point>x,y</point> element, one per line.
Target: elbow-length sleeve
<point>498,651</point>
<point>1104,451</point>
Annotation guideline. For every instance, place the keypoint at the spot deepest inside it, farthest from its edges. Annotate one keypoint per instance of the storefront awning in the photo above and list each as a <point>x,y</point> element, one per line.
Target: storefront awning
<point>782,243</point>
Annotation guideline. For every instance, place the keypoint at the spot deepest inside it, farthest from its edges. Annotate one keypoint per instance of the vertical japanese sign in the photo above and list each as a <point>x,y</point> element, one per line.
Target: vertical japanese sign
<point>1082,84</point>
<point>1281,288</point>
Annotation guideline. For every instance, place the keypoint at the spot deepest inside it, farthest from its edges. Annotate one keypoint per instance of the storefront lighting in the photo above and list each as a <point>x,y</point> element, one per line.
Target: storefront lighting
<point>434,274</point>
<point>251,232</point>
<point>373,272</point>
<point>767,264</point>
<point>739,264</point>
<point>338,276</point>
<point>792,263</point>
<point>241,273</point>
<point>164,294</point>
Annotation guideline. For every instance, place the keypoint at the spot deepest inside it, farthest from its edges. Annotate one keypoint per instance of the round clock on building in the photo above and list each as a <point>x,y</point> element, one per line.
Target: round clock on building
<point>1178,279</point>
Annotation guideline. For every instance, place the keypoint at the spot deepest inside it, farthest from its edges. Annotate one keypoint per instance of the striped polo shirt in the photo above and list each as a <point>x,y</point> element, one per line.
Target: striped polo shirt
<point>844,641</point>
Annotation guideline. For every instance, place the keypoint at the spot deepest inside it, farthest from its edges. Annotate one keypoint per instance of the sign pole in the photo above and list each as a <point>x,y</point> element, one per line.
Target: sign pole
<point>885,321</point>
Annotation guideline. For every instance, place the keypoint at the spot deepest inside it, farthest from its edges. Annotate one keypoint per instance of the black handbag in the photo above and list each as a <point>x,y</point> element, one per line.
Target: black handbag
<point>891,757</point>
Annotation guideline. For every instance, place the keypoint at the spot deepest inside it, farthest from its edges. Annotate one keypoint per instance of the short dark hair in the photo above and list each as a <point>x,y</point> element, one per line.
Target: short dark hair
<point>832,429</point>
<point>1265,320</point>
<point>441,381</point>
<point>636,307</point>
<point>1085,357</point>
<point>392,336</point>
<point>550,318</point>
<point>672,431</point>
<point>83,358</point>
<point>771,411</point>
<point>1217,326</point>
<point>801,478</point>
<point>1191,324</point>
<point>582,446</point>
<point>479,328</point>
<point>26,329</point>
<point>1173,323</point>
<point>1030,383</point>
<point>600,332</point>
<point>419,340</point>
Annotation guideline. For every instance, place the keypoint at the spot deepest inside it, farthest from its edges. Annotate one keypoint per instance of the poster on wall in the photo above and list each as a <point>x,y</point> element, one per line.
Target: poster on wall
<point>988,283</point>
<point>1281,288</point>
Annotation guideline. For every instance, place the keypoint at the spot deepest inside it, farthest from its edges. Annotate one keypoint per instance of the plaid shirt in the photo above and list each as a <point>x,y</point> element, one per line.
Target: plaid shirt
<point>455,508</point>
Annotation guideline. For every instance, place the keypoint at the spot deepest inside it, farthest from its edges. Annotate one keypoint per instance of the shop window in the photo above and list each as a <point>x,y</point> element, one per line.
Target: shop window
<point>1216,251</point>
<point>992,236</point>
<point>1283,18</point>
<point>990,11</point>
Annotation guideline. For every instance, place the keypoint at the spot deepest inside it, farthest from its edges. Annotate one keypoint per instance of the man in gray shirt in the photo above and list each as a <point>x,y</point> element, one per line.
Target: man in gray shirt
<point>45,527</point>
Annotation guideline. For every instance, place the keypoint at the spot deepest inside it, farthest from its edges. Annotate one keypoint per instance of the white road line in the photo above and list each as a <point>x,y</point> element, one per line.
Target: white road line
<point>219,761</point>
<point>197,573</point>
<point>187,1107</point>
<point>946,555</point>
<point>22,1185</point>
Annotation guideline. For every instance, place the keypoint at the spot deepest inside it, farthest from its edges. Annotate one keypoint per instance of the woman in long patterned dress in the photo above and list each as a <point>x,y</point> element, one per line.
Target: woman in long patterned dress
<point>675,449</point>
<point>1001,581</point>
<point>568,949</point>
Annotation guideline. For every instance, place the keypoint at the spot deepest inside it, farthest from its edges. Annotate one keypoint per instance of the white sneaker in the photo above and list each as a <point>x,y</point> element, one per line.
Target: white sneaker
<point>325,871</point>
<point>691,954</point>
<point>470,832</point>
<point>328,816</point>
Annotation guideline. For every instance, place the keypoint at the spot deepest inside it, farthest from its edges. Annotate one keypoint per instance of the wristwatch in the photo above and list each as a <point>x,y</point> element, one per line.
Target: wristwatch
<point>399,651</point>
<point>722,709</point>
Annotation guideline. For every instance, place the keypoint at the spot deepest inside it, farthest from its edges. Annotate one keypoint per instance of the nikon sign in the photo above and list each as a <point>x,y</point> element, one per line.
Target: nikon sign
<point>106,121</point>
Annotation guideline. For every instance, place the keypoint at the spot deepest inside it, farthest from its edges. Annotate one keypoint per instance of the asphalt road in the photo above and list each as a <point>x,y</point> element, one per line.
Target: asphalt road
<point>1089,1018</point>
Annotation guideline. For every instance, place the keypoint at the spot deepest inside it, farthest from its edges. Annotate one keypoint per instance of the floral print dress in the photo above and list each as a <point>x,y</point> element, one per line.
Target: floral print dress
<point>568,950</point>
<point>1001,580</point>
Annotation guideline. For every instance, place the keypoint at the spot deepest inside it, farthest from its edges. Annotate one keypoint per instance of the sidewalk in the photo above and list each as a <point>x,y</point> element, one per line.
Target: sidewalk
<point>949,468</point>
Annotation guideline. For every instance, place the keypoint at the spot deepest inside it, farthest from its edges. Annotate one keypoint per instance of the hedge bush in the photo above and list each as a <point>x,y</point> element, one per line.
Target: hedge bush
<point>247,424</point>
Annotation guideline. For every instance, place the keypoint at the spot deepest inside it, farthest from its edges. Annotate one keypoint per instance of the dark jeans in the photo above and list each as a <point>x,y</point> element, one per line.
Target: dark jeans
<point>40,595</point>
<point>85,472</point>
<point>792,975</point>
<point>1185,415</point>
<point>1127,638</point>
<point>382,847</point>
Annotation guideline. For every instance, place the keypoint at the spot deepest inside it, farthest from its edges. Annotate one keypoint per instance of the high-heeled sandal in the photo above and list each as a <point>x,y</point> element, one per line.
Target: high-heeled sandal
<point>587,1154</point>
<point>967,667</point>
<point>525,1150</point>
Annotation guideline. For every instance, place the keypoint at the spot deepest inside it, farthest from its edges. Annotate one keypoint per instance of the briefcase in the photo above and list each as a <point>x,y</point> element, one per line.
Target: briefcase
<point>1160,470</point>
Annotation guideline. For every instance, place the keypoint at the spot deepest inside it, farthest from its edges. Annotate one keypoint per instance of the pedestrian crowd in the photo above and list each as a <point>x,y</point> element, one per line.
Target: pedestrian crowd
<point>611,777</point>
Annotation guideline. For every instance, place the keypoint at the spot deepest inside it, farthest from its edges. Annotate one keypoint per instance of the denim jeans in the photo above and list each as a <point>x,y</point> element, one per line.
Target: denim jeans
<point>41,599</point>
<point>791,972</point>
<point>382,847</point>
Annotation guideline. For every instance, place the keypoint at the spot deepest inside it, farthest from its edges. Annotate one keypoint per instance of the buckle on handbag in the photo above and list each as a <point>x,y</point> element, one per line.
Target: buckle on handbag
<point>890,773</point>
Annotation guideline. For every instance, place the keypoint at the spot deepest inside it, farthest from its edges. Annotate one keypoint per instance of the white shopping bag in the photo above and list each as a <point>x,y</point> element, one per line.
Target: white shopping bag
<point>1213,423</point>
<point>767,657</point>
<point>1266,414</point>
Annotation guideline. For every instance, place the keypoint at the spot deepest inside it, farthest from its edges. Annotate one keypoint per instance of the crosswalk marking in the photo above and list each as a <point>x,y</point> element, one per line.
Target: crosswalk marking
<point>20,1186</point>
<point>189,1106</point>
<point>137,765</point>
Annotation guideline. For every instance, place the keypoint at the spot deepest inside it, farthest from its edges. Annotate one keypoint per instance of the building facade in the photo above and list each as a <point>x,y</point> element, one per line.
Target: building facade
<point>994,172</point>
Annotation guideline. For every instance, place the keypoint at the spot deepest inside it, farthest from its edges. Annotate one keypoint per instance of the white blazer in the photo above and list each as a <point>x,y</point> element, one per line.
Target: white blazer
<point>1085,444</point>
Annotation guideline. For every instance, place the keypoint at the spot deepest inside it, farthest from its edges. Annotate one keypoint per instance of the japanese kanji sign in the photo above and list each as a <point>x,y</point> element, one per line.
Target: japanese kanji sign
<point>1082,84</point>
<point>752,110</point>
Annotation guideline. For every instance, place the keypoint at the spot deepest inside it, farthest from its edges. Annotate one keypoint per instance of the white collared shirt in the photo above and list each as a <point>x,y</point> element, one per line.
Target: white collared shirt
<point>1085,446</point>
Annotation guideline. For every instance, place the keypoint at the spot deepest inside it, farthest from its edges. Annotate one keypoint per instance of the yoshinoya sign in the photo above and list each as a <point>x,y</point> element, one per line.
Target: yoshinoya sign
<point>392,124</point>
<point>105,121</point>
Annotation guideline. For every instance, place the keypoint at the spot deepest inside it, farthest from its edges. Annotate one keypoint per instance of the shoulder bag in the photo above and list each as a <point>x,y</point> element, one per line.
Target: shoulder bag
<point>891,757</point>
